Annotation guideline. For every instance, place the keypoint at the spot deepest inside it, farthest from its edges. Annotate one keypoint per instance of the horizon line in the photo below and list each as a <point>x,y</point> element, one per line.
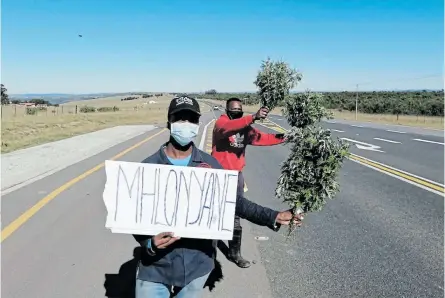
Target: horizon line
<point>227,92</point>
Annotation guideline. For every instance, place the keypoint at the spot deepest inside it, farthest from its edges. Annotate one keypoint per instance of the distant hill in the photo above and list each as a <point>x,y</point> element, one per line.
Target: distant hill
<point>59,98</point>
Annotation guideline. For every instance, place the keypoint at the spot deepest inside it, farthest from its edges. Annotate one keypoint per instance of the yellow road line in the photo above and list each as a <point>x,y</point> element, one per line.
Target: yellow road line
<point>18,222</point>
<point>397,173</point>
<point>272,125</point>
<point>384,168</point>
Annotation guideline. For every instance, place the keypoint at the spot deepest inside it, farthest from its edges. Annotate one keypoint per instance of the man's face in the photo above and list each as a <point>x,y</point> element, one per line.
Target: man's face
<point>184,116</point>
<point>235,110</point>
<point>235,106</point>
<point>184,126</point>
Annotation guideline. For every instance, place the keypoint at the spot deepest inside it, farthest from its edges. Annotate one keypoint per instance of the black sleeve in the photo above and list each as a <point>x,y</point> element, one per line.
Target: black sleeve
<point>248,210</point>
<point>144,256</point>
<point>142,239</point>
<point>255,213</point>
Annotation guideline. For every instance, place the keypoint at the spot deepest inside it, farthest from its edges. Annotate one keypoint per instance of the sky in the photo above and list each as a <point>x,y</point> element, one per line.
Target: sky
<point>194,46</point>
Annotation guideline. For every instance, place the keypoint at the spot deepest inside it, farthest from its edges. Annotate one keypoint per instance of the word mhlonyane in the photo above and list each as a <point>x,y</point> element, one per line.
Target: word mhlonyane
<point>178,197</point>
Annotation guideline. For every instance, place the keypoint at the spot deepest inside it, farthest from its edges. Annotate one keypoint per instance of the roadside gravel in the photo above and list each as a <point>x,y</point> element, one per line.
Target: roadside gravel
<point>25,166</point>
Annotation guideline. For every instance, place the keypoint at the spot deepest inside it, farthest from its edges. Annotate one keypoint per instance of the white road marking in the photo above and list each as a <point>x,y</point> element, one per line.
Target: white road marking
<point>356,125</point>
<point>396,131</point>
<point>337,130</point>
<point>427,141</point>
<point>399,170</point>
<point>400,178</point>
<point>389,141</point>
<point>204,134</point>
<point>366,146</point>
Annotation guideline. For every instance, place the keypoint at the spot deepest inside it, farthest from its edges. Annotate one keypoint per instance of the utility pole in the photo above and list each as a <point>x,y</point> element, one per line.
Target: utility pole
<point>356,102</point>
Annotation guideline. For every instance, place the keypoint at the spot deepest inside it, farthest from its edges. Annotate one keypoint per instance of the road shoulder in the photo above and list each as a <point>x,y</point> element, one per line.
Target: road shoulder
<point>249,282</point>
<point>28,165</point>
<point>235,281</point>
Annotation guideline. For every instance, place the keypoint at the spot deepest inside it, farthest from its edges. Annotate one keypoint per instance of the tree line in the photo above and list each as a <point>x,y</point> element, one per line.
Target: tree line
<point>36,101</point>
<point>424,102</point>
<point>129,98</point>
<point>5,97</point>
<point>151,95</point>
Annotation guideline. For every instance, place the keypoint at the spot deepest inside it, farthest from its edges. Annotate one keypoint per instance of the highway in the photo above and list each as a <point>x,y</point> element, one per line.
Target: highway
<point>382,236</point>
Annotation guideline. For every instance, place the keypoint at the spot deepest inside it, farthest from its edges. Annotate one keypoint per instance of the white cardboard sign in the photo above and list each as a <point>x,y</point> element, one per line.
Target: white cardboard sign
<point>191,202</point>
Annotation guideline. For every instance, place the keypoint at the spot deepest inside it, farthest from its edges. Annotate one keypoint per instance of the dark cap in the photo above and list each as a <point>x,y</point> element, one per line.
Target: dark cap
<point>183,103</point>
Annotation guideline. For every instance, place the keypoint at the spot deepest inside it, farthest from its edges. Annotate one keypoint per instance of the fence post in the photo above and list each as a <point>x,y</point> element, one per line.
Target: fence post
<point>76,109</point>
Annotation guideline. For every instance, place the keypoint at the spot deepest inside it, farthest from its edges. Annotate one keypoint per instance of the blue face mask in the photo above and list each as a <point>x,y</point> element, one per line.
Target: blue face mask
<point>184,132</point>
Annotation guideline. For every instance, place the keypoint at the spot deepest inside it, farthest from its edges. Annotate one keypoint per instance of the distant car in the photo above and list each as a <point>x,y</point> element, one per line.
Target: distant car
<point>216,108</point>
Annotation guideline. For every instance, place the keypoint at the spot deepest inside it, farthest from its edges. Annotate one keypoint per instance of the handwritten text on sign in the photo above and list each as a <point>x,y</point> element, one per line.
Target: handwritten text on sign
<point>148,199</point>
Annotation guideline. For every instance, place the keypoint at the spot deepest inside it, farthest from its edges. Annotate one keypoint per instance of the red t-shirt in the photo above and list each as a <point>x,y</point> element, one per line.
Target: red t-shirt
<point>230,138</point>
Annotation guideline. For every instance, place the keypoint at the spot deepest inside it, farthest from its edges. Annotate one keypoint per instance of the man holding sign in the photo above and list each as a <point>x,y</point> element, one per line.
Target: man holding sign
<point>231,135</point>
<point>171,264</point>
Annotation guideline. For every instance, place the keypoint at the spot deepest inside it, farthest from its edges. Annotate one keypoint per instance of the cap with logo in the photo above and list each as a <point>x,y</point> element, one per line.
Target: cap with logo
<point>183,103</point>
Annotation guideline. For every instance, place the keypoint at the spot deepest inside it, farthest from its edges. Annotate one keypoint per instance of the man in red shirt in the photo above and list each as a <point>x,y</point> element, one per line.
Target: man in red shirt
<point>231,134</point>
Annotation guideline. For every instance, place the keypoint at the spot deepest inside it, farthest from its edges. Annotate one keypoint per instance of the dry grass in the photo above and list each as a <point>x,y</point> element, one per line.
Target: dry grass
<point>116,101</point>
<point>23,131</point>
<point>415,121</point>
<point>408,120</point>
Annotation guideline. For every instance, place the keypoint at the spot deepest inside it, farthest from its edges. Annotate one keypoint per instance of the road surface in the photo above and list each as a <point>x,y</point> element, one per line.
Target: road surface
<point>381,236</point>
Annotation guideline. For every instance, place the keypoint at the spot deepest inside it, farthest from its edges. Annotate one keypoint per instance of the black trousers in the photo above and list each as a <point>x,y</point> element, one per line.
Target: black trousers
<point>237,223</point>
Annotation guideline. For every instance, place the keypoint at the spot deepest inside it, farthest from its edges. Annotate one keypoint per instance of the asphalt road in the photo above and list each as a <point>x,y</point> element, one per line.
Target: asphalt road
<point>417,151</point>
<point>380,237</point>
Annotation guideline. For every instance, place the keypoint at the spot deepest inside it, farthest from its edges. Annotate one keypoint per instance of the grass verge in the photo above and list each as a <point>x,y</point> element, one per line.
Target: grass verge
<point>21,130</point>
<point>408,120</point>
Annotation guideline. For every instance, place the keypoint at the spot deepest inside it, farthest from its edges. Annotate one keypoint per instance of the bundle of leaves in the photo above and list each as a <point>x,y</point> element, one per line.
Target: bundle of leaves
<point>274,81</point>
<point>308,175</point>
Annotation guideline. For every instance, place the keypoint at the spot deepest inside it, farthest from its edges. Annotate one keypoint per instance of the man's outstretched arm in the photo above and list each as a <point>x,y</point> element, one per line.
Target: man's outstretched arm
<point>258,214</point>
<point>259,138</point>
<point>255,213</point>
<point>227,127</point>
<point>264,216</point>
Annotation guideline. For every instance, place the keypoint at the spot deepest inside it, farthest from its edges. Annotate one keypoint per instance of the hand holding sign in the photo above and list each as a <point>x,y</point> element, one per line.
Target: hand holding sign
<point>163,240</point>
<point>150,199</point>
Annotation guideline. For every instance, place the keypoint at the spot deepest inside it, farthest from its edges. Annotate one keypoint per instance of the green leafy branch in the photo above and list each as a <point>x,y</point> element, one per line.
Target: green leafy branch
<point>274,81</point>
<point>308,176</point>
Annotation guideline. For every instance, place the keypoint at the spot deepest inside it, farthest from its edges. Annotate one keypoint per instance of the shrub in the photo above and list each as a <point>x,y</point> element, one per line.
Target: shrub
<point>31,111</point>
<point>87,109</point>
<point>108,109</point>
